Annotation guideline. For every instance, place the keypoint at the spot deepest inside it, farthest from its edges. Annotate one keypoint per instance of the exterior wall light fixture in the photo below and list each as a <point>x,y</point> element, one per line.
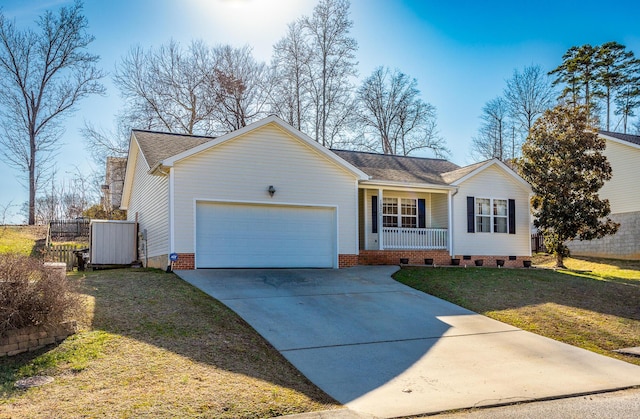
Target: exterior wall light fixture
<point>271,190</point>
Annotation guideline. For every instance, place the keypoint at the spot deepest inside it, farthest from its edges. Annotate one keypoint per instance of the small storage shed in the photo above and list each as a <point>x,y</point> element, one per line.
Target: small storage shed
<point>113,242</point>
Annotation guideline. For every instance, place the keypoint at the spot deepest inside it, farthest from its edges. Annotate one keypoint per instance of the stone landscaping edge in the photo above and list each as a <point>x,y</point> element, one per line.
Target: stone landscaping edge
<point>14,342</point>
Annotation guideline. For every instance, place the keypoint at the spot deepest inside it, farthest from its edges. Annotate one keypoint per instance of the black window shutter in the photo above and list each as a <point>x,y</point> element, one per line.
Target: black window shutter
<point>422,214</point>
<point>374,214</point>
<point>512,216</point>
<point>471,215</point>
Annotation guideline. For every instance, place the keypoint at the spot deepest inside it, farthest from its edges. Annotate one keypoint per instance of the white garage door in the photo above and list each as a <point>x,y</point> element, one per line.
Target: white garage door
<point>264,236</point>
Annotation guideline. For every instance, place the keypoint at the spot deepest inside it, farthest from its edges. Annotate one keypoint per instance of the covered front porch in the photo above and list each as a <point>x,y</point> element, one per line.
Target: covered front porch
<point>404,219</point>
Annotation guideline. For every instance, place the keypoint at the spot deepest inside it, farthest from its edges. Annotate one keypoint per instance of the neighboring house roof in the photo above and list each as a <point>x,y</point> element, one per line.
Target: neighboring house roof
<point>633,139</point>
<point>384,167</point>
<point>157,146</point>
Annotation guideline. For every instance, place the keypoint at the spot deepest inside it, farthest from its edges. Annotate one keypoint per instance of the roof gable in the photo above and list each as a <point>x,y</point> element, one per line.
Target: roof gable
<point>165,149</point>
<point>460,176</point>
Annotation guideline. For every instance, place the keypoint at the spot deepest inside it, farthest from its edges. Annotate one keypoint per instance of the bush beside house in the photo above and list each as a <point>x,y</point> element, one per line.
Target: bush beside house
<point>35,305</point>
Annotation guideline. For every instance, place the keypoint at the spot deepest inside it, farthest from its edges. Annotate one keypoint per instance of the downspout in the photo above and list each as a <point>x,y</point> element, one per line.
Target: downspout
<point>451,195</point>
<point>380,218</point>
<point>171,213</point>
<point>171,219</point>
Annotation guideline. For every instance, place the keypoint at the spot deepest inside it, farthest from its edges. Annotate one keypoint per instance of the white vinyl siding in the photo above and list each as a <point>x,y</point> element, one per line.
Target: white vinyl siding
<point>492,183</point>
<point>622,189</point>
<point>242,169</point>
<point>150,201</point>
<point>439,210</point>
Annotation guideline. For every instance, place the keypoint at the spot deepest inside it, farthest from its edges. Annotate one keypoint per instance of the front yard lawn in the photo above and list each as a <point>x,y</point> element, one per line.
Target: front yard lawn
<point>595,304</point>
<point>151,345</point>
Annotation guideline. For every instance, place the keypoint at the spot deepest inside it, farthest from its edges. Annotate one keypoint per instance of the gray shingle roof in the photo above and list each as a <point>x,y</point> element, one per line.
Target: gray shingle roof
<point>399,168</point>
<point>157,146</point>
<point>634,139</point>
<point>454,175</point>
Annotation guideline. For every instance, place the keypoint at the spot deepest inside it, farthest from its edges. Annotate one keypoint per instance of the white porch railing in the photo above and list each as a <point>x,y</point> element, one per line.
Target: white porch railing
<point>414,238</point>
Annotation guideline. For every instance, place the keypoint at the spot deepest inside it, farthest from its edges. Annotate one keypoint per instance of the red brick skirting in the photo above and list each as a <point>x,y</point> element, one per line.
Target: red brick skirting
<point>347,261</point>
<point>185,261</point>
<point>491,261</point>
<point>392,257</point>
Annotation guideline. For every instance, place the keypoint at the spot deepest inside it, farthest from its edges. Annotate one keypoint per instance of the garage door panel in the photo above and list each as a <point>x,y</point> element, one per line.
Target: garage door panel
<point>241,235</point>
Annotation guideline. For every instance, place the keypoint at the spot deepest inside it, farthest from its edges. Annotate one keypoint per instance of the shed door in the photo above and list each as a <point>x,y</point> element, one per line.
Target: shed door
<point>264,236</point>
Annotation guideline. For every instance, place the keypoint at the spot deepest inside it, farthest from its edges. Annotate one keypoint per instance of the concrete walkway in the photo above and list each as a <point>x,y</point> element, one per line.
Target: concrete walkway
<point>386,350</point>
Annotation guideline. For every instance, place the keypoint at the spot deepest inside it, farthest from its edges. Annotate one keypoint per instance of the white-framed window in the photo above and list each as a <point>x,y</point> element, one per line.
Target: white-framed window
<point>399,212</point>
<point>483,215</point>
<point>389,212</point>
<point>492,215</point>
<point>500,216</point>
<point>409,209</point>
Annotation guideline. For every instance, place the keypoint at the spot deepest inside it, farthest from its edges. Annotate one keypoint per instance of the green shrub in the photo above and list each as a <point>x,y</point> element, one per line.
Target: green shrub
<point>31,295</point>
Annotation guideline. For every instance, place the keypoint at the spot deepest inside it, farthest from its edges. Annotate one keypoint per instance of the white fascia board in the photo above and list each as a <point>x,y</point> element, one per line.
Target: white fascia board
<point>420,187</point>
<point>130,170</point>
<point>488,164</point>
<point>619,141</point>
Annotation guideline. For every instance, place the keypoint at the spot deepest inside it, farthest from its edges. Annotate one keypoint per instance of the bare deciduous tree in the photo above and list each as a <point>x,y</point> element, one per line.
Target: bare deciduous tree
<point>400,122</point>
<point>529,93</point>
<point>44,75</point>
<point>241,87</point>
<point>332,66</point>
<point>492,140</point>
<point>290,63</point>
<point>102,143</point>
<point>168,88</point>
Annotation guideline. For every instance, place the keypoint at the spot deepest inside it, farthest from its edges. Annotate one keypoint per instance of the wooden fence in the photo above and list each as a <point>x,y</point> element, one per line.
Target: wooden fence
<point>62,230</point>
<point>63,253</point>
<point>537,243</point>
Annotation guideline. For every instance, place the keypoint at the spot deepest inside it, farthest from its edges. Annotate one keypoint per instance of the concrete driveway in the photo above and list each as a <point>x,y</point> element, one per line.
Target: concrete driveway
<point>386,350</point>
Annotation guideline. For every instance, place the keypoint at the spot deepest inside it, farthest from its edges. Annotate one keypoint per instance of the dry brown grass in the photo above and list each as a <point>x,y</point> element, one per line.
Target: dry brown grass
<point>153,346</point>
<point>598,310</point>
<point>25,240</point>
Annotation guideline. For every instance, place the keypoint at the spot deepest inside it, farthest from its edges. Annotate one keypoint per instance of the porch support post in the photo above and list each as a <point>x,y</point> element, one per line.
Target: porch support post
<point>380,228</point>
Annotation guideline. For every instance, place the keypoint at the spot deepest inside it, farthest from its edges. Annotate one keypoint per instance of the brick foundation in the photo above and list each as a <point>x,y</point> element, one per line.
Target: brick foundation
<point>33,338</point>
<point>491,261</point>
<point>186,261</point>
<point>392,257</point>
<point>347,261</point>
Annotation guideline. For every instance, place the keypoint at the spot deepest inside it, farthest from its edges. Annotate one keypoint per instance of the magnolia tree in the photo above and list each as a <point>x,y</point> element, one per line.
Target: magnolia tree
<point>562,160</point>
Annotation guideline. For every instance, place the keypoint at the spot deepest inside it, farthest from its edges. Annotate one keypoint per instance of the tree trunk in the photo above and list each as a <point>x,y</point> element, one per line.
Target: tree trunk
<point>559,260</point>
<point>32,179</point>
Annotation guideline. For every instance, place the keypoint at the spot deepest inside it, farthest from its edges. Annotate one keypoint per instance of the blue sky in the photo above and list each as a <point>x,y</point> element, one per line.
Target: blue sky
<point>461,52</point>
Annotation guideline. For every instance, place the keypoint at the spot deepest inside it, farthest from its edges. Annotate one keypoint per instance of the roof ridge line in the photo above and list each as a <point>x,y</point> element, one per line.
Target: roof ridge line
<point>391,155</point>
<point>173,133</point>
